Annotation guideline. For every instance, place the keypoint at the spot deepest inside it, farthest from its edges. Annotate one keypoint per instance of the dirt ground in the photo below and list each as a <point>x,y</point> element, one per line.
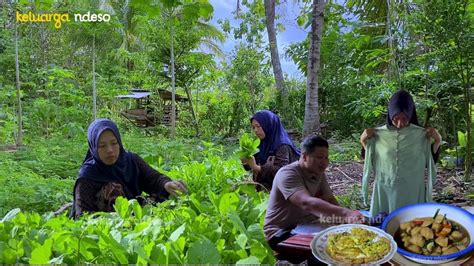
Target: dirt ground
<point>449,187</point>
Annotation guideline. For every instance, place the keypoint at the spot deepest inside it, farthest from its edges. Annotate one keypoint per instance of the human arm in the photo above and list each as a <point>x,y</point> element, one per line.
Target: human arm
<point>176,187</point>
<point>250,164</point>
<point>268,170</point>
<point>321,208</point>
<point>326,193</point>
<point>85,192</point>
<point>432,133</point>
<point>156,183</point>
<point>366,135</point>
<point>245,165</point>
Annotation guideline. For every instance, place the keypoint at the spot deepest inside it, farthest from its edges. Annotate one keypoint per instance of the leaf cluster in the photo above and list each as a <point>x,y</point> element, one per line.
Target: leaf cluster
<point>248,146</point>
<point>215,228</point>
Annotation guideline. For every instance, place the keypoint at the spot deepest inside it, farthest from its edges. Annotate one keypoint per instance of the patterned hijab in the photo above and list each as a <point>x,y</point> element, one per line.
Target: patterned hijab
<point>125,169</point>
<point>275,135</point>
<point>402,101</point>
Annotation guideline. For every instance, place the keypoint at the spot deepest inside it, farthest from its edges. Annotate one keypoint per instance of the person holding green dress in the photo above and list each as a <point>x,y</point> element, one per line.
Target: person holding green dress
<point>399,153</point>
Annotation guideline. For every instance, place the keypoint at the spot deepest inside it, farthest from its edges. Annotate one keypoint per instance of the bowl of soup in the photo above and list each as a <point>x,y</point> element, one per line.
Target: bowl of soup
<point>431,233</point>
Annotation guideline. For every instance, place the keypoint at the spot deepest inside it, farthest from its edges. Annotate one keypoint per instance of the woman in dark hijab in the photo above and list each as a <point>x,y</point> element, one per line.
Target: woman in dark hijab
<point>109,171</point>
<point>276,148</point>
<point>399,154</point>
<point>401,113</point>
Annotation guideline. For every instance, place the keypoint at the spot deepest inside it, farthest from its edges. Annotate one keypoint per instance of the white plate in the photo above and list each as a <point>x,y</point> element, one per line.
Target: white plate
<point>319,242</point>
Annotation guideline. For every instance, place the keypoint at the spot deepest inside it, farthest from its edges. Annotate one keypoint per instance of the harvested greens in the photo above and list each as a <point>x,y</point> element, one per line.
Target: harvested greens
<point>248,146</point>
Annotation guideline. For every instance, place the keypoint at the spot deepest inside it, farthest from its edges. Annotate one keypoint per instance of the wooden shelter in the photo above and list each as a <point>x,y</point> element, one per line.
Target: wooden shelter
<point>145,113</point>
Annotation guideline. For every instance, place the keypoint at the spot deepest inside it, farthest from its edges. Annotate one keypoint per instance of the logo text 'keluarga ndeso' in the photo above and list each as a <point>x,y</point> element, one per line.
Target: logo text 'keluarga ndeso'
<point>59,18</point>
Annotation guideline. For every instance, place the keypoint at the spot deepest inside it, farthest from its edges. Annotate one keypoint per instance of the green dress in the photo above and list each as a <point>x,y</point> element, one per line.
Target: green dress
<point>398,157</point>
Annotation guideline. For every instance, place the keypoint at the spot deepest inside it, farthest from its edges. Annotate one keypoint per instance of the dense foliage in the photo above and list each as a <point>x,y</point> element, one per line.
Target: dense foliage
<point>224,229</point>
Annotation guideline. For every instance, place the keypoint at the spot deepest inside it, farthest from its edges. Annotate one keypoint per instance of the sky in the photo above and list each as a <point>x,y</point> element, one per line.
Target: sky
<point>288,11</point>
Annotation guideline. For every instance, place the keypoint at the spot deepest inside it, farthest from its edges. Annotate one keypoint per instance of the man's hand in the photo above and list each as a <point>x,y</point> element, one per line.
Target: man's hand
<point>366,135</point>
<point>176,187</point>
<point>355,217</point>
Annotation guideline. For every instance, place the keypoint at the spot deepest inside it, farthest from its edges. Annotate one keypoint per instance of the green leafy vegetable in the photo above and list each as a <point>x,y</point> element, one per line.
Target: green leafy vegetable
<point>248,146</point>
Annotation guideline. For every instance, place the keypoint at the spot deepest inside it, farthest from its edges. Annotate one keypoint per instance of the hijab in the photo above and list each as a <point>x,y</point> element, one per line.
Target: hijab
<point>124,170</point>
<point>275,135</point>
<point>402,102</point>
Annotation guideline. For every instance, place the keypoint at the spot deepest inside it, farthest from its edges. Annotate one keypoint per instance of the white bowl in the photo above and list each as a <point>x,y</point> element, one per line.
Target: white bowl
<point>409,212</point>
<point>319,243</point>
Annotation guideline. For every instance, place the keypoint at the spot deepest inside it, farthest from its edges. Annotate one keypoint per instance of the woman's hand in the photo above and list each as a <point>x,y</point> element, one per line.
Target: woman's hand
<point>432,133</point>
<point>366,135</point>
<point>251,163</point>
<point>176,187</point>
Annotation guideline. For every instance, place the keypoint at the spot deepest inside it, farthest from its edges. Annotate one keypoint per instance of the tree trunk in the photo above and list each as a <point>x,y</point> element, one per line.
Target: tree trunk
<point>94,90</point>
<point>234,123</point>
<point>196,124</point>
<point>173,85</point>
<point>468,106</point>
<point>392,70</point>
<point>19,137</point>
<point>311,114</point>
<point>272,40</point>
<point>468,159</point>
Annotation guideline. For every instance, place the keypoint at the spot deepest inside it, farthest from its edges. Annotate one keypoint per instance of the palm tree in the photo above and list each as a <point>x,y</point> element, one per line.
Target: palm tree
<point>272,41</point>
<point>188,12</point>
<point>91,36</point>
<point>379,19</point>
<point>311,114</point>
<point>126,14</point>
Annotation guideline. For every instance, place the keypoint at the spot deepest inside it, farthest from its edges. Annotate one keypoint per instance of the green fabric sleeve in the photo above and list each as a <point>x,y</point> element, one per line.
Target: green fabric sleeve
<point>431,174</point>
<point>368,166</point>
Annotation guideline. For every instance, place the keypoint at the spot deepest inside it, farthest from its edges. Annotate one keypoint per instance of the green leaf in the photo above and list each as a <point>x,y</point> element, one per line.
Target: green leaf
<point>462,139</point>
<point>137,209</point>
<point>180,244</point>
<point>255,232</point>
<point>171,3</point>
<point>228,202</point>
<point>121,207</point>
<point>10,215</point>
<point>203,251</point>
<point>159,255</point>
<point>8,255</point>
<point>41,253</point>
<point>249,260</point>
<point>196,203</point>
<point>237,222</point>
<point>248,146</point>
<point>301,20</point>
<point>241,240</point>
<point>206,10</point>
<point>57,260</point>
<point>258,249</point>
<point>177,233</point>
